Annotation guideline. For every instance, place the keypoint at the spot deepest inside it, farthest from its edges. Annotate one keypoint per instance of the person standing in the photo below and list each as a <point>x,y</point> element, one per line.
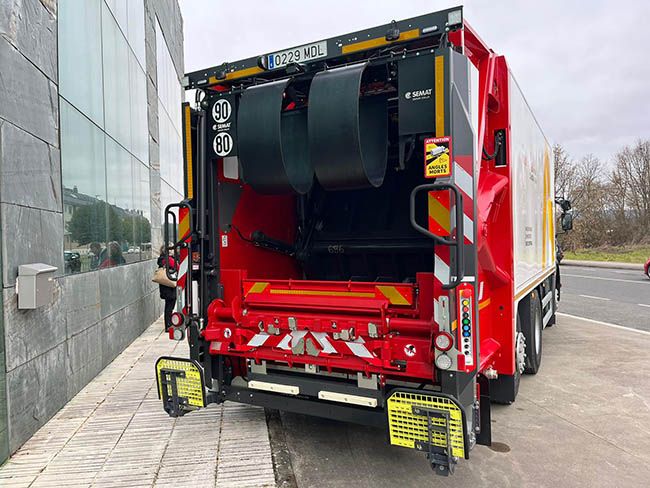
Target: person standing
<point>97,255</point>
<point>114,258</point>
<point>167,293</point>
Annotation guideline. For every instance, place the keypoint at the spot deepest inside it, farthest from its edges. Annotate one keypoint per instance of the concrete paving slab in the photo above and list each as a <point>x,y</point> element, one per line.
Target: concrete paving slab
<point>582,421</point>
<point>114,433</point>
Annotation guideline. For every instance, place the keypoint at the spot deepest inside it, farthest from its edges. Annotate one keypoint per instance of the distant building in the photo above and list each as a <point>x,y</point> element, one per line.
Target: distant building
<point>90,151</point>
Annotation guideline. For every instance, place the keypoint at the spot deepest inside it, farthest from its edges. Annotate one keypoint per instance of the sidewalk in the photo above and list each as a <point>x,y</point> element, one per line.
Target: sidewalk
<point>115,433</point>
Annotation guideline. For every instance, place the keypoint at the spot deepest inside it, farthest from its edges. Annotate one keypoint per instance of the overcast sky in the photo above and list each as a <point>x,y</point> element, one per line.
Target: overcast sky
<point>584,67</point>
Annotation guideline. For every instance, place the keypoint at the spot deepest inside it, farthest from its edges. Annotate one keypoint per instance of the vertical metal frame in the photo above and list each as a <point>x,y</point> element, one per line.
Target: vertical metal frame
<point>452,82</point>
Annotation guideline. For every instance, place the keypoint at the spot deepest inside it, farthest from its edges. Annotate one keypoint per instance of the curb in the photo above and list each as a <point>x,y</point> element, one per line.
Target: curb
<point>603,264</point>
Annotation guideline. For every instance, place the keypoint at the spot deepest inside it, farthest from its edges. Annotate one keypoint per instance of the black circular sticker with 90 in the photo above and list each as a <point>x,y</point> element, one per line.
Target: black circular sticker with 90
<point>223,127</point>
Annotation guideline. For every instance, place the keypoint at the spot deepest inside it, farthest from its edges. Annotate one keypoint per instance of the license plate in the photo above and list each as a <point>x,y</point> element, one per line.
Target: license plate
<point>301,54</point>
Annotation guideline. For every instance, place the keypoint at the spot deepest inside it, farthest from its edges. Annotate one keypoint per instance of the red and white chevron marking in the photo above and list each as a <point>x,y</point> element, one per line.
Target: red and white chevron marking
<point>463,171</point>
<point>321,340</point>
<point>184,256</point>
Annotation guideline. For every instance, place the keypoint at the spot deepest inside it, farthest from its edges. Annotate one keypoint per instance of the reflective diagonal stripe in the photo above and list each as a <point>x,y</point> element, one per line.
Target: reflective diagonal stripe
<point>297,335</point>
<point>441,269</point>
<point>393,295</point>
<point>258,287</point>
<point>468,228</point>
<point>182,270</point>
<point>258,339</point>
<point>284,343</point>
<point>463,180</point>
<point>358,349</point>
<point>184,224</point>
<point>323,341</point>
<point>439,213</point>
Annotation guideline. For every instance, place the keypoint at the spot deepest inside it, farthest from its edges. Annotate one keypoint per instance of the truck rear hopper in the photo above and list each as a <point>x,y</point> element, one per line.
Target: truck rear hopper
<point>367,235</point>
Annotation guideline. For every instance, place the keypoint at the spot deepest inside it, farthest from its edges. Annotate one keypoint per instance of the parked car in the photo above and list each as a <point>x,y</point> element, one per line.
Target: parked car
<point>646,268</point>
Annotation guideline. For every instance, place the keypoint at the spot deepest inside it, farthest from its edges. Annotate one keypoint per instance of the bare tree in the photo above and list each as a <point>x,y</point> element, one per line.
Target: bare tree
<point>565,173</point>
<point>632,173</point>
<point>612,207</point>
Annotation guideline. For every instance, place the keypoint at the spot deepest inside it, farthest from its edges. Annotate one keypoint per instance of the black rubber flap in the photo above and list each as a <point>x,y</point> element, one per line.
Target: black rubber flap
<point>347,134</point>
<point>272,144</point>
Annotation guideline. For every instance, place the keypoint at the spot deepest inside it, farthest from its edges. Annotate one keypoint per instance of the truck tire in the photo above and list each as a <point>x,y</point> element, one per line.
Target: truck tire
<point>532,326</point>
<point>505,388</point>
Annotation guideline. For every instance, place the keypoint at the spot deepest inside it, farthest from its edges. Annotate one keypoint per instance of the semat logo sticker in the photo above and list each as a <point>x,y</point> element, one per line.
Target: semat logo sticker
<point>418,94</point>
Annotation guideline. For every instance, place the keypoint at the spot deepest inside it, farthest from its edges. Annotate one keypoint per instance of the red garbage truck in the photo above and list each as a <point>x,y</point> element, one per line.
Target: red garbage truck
<point>367,235</point>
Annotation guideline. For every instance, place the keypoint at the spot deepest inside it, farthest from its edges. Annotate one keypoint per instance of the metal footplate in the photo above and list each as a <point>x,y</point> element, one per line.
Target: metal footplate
<point>431,422</point>
<point>180,385</point>
<point>441,459</point>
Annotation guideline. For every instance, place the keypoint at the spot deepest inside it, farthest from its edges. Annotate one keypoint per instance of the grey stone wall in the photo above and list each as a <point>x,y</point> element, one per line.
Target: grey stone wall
<point>49,354</point>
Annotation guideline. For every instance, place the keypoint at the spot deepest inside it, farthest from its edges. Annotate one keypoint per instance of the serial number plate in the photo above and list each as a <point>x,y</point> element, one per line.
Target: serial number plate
<point>300,54</point>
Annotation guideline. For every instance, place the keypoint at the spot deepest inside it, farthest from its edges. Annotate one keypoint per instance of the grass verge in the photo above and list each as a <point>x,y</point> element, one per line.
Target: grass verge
<point>623,254</point>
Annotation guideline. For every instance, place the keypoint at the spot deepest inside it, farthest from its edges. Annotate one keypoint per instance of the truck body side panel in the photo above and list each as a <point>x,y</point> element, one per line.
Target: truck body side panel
<point>532,196</point>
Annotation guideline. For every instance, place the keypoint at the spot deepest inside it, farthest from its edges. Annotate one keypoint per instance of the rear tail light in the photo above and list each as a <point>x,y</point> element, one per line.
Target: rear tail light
<point>177,319</point>
<point>443,362</point>
<point>177,334</point>
<point>443,341</point>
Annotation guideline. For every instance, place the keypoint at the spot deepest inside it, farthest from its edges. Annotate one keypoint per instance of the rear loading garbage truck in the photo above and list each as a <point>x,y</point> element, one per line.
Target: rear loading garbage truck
<point>367,235</point>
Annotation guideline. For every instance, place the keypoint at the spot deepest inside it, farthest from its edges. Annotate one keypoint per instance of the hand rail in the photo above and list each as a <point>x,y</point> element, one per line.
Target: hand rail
<point>170,218</point>
<point>457,242</point>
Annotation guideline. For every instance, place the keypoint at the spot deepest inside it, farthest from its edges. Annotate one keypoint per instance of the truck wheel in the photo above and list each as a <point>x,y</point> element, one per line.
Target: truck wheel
<point>532,327</point>
<point>505,388</point>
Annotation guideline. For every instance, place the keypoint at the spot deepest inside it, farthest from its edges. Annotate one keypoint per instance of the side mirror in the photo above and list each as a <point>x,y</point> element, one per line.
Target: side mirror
<point>566,221</point>
<point>564,204</point>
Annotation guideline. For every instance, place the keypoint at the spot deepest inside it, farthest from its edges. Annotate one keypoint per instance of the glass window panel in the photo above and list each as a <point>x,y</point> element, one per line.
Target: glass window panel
<point>138,108</point>
<point>116,80</point>
<point>169,116</point>
<point>84,191</point>
<point>80,56</point>
<point>178,165</point>
<point>119,9</point>
<point>164,142</point>
<point>136,29</point>
<point>143,210</point>
<point>169,88</point>
<point>167,195</point>
<point>171,154</point>
<point>119,194</point>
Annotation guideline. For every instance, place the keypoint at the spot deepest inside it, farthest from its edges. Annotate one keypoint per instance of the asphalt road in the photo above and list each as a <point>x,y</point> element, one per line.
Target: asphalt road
<point>582,421</point>
<point>620,297</point>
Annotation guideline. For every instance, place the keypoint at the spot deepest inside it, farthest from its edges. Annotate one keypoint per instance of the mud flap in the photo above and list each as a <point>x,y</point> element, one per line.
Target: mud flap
<point>180,385</point>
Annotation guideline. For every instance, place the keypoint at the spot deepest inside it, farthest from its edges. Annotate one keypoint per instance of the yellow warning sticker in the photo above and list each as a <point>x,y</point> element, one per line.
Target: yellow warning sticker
<point>437,157</point>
